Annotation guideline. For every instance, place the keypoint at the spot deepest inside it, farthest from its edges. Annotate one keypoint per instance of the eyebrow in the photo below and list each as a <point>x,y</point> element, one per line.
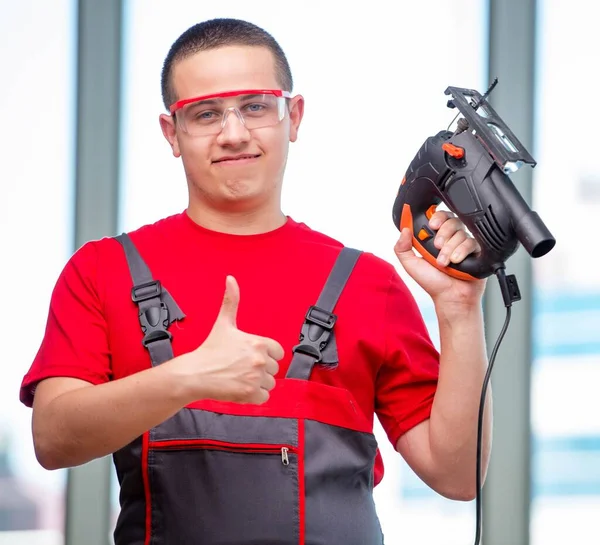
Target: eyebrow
<point>219,100</point>
<point>207,101</point>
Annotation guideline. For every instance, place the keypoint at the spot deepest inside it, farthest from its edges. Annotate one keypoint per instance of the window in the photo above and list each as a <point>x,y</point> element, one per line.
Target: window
<point>566,370</point>
<point>345,170</point>
<point>37,110</point>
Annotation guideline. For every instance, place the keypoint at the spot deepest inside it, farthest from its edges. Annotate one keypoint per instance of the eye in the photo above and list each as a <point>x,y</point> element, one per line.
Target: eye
<point>205,115</point>
<point>254,107</point>
<point>202,116</point>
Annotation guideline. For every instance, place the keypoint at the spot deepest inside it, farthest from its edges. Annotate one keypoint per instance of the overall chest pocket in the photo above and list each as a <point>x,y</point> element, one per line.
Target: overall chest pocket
<point>214,492</point>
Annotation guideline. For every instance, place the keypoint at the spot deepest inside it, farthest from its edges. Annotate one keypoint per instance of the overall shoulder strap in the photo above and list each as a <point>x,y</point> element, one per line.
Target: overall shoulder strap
<point>319,320</point>
<point>157,309</point>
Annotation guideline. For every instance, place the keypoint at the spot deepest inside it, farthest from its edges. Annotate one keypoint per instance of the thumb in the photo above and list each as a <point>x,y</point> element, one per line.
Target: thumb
<point>231,300</point>
<point>404,249</point>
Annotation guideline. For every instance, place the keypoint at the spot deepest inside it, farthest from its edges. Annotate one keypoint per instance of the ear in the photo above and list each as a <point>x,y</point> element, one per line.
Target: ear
<point>167,124</point>
<point>296,114</point>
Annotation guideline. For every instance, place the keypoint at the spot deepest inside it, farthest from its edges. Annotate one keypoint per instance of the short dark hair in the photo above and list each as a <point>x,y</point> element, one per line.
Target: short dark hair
<point>216,33</point>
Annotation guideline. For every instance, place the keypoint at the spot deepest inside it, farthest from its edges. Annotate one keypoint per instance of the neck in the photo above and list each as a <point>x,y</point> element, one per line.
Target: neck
<point>237,222</point>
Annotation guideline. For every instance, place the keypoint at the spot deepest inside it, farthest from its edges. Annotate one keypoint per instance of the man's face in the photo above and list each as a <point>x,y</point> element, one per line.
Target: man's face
<point>255,177</point>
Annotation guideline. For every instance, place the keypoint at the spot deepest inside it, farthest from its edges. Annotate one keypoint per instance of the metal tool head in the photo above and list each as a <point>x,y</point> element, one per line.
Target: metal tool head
<point>488,127</point>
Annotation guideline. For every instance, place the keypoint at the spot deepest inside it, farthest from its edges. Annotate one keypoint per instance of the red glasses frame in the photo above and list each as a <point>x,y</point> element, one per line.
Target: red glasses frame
<point>276,92</point>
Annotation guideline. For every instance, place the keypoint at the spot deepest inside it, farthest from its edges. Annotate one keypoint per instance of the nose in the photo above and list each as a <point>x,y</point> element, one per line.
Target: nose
<point>233,131</point>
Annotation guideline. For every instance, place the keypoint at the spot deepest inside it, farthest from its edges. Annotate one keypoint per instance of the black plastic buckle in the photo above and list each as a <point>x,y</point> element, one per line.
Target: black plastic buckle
<point>308,349</point>
<point>328,324</point>
<point>154,322</point>
<point>148,290</point>
<point>315,326</point>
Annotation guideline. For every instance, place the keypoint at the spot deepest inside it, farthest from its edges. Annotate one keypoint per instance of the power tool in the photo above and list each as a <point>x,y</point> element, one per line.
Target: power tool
<point>468,170</point>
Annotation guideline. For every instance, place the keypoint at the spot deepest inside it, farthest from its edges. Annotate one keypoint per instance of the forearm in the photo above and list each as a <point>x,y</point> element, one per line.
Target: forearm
<point>93,421</point>
<point>454,416</point>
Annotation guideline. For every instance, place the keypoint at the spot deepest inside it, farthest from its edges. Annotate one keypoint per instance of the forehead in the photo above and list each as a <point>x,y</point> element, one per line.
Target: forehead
<point>225,69</point>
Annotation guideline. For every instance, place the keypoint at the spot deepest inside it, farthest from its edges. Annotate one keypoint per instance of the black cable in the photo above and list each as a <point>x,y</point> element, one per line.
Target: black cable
<point>507,302</point>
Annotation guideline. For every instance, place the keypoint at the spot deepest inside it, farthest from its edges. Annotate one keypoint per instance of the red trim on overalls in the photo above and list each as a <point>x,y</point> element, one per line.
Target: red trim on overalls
<point>146,478</point>
<point>301,492</point>
<point>212,444</point>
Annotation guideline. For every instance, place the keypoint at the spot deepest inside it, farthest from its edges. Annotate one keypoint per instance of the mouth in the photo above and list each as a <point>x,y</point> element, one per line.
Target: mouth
<point>243,158</point>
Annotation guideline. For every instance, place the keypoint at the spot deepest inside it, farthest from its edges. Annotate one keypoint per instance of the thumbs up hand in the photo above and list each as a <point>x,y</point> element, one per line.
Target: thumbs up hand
<point>231,365</point>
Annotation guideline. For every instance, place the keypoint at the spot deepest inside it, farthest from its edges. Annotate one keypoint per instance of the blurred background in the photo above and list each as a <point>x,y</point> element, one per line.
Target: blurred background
<point>82,157</point>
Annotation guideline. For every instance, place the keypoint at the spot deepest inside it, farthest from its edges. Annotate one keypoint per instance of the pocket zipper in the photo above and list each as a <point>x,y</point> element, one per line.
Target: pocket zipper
<point>208,444</point>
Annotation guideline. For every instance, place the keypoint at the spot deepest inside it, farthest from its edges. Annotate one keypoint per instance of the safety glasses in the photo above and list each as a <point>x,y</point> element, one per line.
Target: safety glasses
<point>206,115</point>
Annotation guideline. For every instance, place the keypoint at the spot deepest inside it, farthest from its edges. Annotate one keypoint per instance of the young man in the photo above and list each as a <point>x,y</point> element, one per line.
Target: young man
<point>193,431</point>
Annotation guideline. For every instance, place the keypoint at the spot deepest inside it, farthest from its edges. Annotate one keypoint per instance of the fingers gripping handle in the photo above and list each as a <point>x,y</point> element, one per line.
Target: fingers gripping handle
<point>423,238</point>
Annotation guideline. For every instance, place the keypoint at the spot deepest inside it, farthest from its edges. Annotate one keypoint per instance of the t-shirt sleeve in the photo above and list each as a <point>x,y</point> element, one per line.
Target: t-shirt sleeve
<point>75,340</point>
<point>407,379</point>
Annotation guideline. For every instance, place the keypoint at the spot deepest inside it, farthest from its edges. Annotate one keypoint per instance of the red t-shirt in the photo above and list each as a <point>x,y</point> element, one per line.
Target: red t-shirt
<point>387,360</point>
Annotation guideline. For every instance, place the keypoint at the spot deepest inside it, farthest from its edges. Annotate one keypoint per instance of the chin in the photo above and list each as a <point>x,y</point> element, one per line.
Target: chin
<point>239,191</point>
<point>245,193</point>
<point>238,187</point>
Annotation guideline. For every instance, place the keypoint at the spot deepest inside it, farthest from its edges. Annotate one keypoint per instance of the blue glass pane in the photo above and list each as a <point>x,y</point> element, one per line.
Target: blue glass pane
<point>566,326</point>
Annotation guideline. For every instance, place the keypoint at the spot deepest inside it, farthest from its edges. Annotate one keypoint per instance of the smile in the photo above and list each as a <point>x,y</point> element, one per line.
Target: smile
<point>236,160</point>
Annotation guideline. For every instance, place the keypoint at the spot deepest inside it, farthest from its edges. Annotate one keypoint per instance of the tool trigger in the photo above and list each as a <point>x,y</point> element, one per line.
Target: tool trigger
<point>453,151</point>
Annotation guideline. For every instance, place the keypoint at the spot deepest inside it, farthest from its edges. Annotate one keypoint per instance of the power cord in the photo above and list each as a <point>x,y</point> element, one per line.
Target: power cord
<point>510,293</point>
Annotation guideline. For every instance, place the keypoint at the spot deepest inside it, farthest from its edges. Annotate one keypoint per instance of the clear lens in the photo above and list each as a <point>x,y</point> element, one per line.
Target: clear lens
<point>208,117</point>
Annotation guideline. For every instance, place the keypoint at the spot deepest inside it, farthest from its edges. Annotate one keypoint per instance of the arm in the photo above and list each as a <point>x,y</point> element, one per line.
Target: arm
<point>442,449</point>
<point>75,422</point>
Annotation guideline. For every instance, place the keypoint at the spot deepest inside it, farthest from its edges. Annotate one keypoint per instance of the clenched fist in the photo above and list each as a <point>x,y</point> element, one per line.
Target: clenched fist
<point>231,365</point>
